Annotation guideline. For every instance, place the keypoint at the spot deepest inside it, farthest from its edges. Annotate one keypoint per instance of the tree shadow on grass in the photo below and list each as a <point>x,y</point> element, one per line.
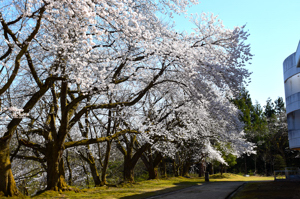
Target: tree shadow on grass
<point>270,190</point>
<point>178,186</point>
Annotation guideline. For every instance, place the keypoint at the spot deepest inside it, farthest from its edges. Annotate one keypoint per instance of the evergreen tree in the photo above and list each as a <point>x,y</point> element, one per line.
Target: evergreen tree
<point>252,115</point>
<point>244,103</point>
<point>269,109</point>
<point>279,105</point>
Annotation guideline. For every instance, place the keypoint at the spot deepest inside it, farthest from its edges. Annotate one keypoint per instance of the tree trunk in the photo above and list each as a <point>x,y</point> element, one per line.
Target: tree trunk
<point>201,169</point>
<point>265,163</point>
<point>246,172</point>
<point>185,169</point>
<point>164,168</point>
<point>255,171</point>
<point>87,176</point>
<point>176,169</point>
<point>222,167</point>
<point>211,169</point>
<point>106,161</point>
<point>152,163</point>
<point>108,146</point>
<point>94,171</point>
<point>55,170</point>
<point>128,171</point>
<point>130,160</point>
<point>69,168</point>
<point>153,172</point>
<point>7,183</point>
<point>92,164</point>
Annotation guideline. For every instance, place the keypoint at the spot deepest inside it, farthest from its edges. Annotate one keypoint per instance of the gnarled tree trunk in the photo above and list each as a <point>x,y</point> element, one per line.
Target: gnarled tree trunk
<point>130,160</point>
<point>106,161</point>
<point>70,169</point>
<point>95,174</point>
<point>92,164</point>
<point>7,183</point>
<point>128,171</point>
<point>186,169</point>
<point>152,163</point>
<point>153,174</point>
<point>152,170</point>
<point>55,169</point>
<point>108,146</point>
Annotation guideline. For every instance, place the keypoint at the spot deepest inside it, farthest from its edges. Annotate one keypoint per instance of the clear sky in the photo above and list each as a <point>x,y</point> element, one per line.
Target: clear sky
<point>274,28</point>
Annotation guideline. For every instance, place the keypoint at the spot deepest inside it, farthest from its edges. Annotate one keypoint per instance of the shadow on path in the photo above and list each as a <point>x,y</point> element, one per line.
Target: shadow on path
<point>177,188</point>
<point>210,190</point>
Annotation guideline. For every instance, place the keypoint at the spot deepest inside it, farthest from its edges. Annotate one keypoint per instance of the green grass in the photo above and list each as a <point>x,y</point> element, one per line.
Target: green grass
<point>145,188</point>
<point>235,177</point>
<point>136,190</point>
<point>270,190</point>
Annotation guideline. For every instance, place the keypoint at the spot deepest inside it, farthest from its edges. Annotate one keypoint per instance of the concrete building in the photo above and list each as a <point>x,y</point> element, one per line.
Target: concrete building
<point>291,73</point>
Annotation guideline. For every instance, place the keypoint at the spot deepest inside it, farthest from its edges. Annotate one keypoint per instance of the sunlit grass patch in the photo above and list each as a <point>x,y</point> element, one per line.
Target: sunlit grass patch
<point>146,188</point>
<point>236,177</point>
<point>136,190</point>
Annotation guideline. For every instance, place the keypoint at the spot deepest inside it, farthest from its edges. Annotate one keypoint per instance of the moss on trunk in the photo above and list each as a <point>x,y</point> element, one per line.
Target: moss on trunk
<point>55,170</point>
<point>94,171</point>
<point>7,183</point>
<point>106,161</point>
<point>175,169</point>
<point>128,173</point>
<point>153,173</point>
<point>151,162</point>
<point>69,168</point>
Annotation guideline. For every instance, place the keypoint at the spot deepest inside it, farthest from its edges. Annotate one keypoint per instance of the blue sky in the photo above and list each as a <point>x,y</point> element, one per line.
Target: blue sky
<point>274,34</point>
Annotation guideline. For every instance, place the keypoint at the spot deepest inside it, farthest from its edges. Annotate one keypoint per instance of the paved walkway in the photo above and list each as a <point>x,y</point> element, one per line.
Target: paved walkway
<point>210,190</point>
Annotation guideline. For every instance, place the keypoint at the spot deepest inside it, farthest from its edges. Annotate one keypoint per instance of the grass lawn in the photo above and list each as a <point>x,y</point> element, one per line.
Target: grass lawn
<point>270,190</point>
<point>145,188</point>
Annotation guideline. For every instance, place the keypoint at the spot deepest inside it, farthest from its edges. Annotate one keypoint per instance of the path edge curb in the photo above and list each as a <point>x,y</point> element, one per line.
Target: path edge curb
<point>229,196</point>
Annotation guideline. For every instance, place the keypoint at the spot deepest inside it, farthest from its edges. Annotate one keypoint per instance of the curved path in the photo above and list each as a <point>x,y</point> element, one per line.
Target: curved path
<point>210,190</point>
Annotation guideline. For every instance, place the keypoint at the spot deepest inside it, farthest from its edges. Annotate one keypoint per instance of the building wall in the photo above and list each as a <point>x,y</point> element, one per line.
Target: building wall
<point>291,71</point>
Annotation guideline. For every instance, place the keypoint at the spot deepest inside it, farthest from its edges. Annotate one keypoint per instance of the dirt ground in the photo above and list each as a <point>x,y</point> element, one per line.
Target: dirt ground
<point>269,190</point>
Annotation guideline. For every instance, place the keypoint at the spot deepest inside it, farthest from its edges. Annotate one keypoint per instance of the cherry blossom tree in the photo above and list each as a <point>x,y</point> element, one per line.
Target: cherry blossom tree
<point>82,56</point>
<point>16,37</point>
